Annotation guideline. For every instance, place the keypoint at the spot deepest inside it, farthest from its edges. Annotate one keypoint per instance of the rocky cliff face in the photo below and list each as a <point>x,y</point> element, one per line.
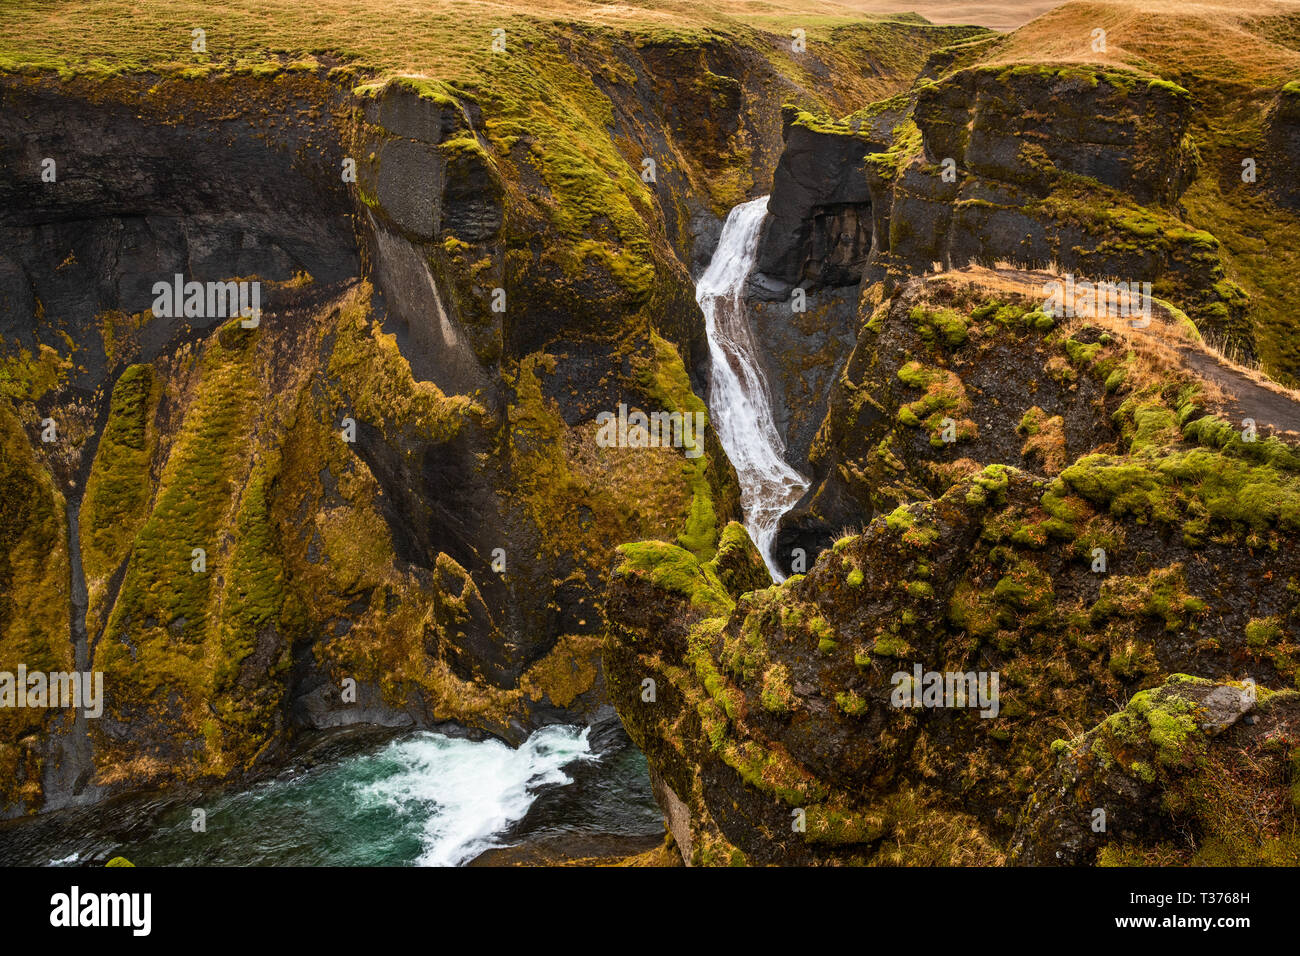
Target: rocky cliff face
<point>811,253</point>
<point>1079,168</point>
<point>1072,167</point>
<point>430,556</point>
<point>1142,539</point>
<point>881,442</point>
<point>1283,145</point>
<point>999,492</point>
<point>1069,507</point>
<point>384,502</point>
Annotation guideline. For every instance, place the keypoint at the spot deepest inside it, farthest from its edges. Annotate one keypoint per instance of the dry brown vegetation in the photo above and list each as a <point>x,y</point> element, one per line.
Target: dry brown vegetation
<point>1173,38</point>
<point>997,14</point>
<point>1166,346</point>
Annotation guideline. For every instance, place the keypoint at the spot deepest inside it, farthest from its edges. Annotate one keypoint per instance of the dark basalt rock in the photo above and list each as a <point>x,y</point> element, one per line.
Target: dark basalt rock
<point>787,701</point>
<point>1281,165</point>
<point>1017,125</point>
<point>1017,164</point>
<point>237,176</point>
<point>818,227</point>
<point>852,482</point>
<point>137,200</point>
<point>816,238</point>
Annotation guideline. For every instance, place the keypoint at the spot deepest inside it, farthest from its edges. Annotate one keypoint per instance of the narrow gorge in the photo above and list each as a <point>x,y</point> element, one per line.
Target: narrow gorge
<point>368,558</point>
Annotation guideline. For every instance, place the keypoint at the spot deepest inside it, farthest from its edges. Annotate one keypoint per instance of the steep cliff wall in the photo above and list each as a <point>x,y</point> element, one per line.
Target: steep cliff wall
<point>1112,160</point>
<point>1143,539</point>
<point>403,513</point>
<point>811,254</point>
<point>1069,503</point>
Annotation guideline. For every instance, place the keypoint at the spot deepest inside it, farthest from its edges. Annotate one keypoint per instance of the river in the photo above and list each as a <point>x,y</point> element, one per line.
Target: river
<point>427,798</point>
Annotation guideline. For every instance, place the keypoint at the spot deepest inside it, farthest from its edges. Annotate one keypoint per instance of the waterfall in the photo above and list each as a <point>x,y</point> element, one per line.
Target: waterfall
<point>739,403</point>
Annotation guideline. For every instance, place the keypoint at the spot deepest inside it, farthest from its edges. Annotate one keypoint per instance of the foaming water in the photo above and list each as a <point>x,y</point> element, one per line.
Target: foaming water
<point>425,799</point>
<point>467,792</point>
<point>739,404</point>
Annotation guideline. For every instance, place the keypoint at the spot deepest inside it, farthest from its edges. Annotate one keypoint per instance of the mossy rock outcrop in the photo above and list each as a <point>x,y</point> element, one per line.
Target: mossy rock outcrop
<point>1096,532</point>
<point>1193,772</point>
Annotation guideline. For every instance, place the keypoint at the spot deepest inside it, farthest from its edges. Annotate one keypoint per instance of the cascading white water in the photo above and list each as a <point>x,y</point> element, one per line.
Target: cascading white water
<point>739,405</point>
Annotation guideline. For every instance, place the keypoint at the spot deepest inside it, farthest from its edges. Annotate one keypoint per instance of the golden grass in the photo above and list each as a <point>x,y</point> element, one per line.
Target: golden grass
<point>1166,342</point>
<point>449,39</point>
<point>1162,346</point>
<point>1175,39</point>
<point>995,14</point>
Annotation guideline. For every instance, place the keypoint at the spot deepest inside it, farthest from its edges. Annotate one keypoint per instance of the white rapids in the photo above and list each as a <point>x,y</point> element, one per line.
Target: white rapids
<point>739,404</point>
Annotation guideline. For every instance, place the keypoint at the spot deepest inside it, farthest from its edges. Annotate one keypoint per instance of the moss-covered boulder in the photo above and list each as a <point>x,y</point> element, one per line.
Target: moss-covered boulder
<point>1193,772</point>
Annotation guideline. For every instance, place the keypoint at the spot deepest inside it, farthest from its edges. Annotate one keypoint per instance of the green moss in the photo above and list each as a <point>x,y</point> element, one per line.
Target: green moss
<point>368,368</point>
<point>921,590</point>
<point>1031,421</point>
<point>1171,722</point>
<point>850,703</point>
<point>666,381</point>
<point>832,825</point>
<point>1082,353</point>
<point>118,489</point>
<point>1160,594</point>
<point>945,395</point>
<point>891,645</point>
<point>771,772</point>
<point>738,564</point>
<point>161,631</point>
<point>677,570</point>
<point>900,519</point>
<point>1260,632</point>
<point>821,628</point>
<point>1161,722</point>
<point>193,495</point>
<point>1025,587</point>
<point>776,695</point>
<point>254,595</point>
<point>1201,485</point>
<point>34,576</point>
<point>907,143</point>
<point>974,610</point>
<point>25,377</point>
<point>1010,315</point>
<point>941,327</point>
<point>876,323</point>
<point>1167,86</point>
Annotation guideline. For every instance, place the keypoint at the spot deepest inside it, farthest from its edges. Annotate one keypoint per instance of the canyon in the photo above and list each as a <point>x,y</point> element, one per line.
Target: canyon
<point>837,258</point>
